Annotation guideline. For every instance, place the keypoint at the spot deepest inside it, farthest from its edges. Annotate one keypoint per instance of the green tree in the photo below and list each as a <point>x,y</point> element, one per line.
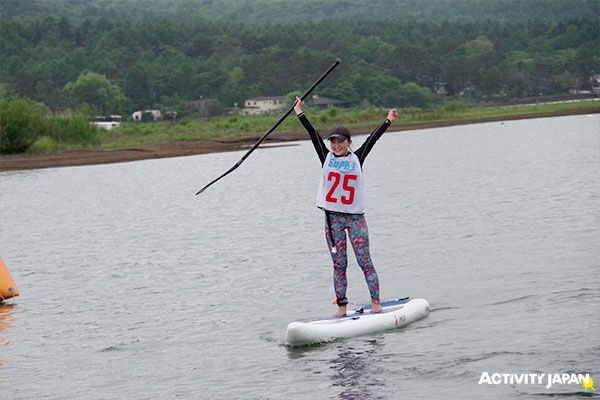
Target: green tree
<point>189,53</point>
<point>566,80</point>
<point>413,95</point>
<point>96,91</point>
<point>139,87</point>
<point>479,59</point>
<point>22,121</point>
<point>214,107</point>
<point>373,50</point>
<point>233,89</point>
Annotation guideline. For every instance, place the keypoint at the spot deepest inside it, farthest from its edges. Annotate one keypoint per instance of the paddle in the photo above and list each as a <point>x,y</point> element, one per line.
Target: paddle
<point>264,136</point>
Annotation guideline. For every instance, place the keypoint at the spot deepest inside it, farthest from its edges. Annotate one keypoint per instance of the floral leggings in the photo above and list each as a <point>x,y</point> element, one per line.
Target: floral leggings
<point>356,225</point>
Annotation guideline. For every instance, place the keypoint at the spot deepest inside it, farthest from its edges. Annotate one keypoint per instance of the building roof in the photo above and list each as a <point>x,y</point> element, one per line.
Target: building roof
<point>266,98</point>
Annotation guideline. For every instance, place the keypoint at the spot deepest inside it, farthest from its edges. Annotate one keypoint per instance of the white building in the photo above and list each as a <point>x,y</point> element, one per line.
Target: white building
<point>108,125</point>
<point>107,122</point>
<point>263,105</point>
<point>156,115</point>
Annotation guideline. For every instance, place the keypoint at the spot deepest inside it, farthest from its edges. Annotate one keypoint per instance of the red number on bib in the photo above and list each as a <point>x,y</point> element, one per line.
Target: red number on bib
<point>336,181</point>
<point>336,177</point>
<point>349,189</point>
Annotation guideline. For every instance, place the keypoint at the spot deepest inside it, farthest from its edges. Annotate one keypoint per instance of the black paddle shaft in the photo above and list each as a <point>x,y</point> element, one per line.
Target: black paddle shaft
<point>267,133</point>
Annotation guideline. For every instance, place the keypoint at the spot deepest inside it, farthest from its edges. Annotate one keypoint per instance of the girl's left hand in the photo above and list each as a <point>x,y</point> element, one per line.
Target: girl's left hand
<point>392,114</point>
<point>298,105</point>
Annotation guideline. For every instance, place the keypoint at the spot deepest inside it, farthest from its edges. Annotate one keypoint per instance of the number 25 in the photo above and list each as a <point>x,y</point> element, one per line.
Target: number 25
<point>336,178</point>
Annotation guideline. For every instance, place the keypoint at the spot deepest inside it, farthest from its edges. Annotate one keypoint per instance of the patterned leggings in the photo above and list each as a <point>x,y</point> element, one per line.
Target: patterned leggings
<point>356,225</point>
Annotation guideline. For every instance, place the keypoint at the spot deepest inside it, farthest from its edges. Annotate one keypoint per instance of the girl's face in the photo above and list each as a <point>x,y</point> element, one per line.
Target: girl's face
<point>340,147</point>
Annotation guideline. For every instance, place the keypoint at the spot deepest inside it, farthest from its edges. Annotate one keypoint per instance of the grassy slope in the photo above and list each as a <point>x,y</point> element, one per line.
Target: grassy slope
<point>238,127</point>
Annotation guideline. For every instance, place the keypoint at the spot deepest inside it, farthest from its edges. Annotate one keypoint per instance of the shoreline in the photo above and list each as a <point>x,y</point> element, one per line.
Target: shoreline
<point>15,162</point>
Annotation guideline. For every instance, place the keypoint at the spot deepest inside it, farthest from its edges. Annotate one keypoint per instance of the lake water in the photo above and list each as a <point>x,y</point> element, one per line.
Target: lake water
<point>133,288</point>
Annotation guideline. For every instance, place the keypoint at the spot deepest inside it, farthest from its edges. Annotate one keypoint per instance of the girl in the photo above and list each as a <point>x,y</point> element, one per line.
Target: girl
<point>341,196</point>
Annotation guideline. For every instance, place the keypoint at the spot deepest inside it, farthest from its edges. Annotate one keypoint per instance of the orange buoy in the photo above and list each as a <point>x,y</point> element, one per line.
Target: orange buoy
<point>8,288</point>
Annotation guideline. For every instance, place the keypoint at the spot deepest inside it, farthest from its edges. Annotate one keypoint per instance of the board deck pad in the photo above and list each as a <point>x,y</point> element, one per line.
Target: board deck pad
<point>387,306</point>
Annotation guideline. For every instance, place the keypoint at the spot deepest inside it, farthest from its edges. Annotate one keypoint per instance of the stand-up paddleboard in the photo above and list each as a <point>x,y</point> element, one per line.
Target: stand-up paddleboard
<point>395,314</point>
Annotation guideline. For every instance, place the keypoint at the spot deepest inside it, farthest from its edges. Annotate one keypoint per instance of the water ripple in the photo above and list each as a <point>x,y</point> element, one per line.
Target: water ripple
<point>154,295</point>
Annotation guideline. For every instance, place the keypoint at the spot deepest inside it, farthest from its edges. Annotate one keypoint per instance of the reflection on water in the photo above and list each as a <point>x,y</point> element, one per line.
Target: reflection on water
<point>6,322</point>
<point>6,317</point>
<point>354,367</point>
<point>357,370</point>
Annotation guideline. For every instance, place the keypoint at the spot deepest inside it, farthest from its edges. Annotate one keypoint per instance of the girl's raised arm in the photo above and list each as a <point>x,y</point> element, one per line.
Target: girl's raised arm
<point>364,150</point>
<point>316,140</point>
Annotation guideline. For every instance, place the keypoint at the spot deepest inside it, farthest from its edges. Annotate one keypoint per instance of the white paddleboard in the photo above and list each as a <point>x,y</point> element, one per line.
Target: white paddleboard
<point>395,314</point>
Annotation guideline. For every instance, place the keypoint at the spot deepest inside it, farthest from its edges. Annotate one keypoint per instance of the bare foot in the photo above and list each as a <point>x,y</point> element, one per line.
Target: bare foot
<point>375,307</point>
<point>341,312</point>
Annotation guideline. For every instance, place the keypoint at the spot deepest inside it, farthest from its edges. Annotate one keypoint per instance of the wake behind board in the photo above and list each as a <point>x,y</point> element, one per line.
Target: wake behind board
<point>395,314</point>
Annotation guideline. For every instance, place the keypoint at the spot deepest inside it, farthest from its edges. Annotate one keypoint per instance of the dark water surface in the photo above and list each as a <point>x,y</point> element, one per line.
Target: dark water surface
<point>132,288</point>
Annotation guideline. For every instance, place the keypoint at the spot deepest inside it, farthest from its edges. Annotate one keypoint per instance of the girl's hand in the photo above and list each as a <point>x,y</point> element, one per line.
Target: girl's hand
<point>392,114</point>
<point>298,105</point>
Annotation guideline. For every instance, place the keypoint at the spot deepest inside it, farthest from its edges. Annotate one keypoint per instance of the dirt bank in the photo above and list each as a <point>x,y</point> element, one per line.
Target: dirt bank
<point>175,149</point>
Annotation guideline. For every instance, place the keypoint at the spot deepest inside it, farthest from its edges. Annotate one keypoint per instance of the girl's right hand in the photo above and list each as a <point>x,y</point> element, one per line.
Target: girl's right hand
<point>298,105</point>
<point>392,114</point>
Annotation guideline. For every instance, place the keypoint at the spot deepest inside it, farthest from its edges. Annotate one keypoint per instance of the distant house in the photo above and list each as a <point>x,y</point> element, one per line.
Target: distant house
<point>326,102</point>
<point>441,89</point>
<point>595,83</point>
<point>171,115</point>
<point>199,107</point>
<point>147,115</point>
<point>263,105</point>
<point>107,121</point>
